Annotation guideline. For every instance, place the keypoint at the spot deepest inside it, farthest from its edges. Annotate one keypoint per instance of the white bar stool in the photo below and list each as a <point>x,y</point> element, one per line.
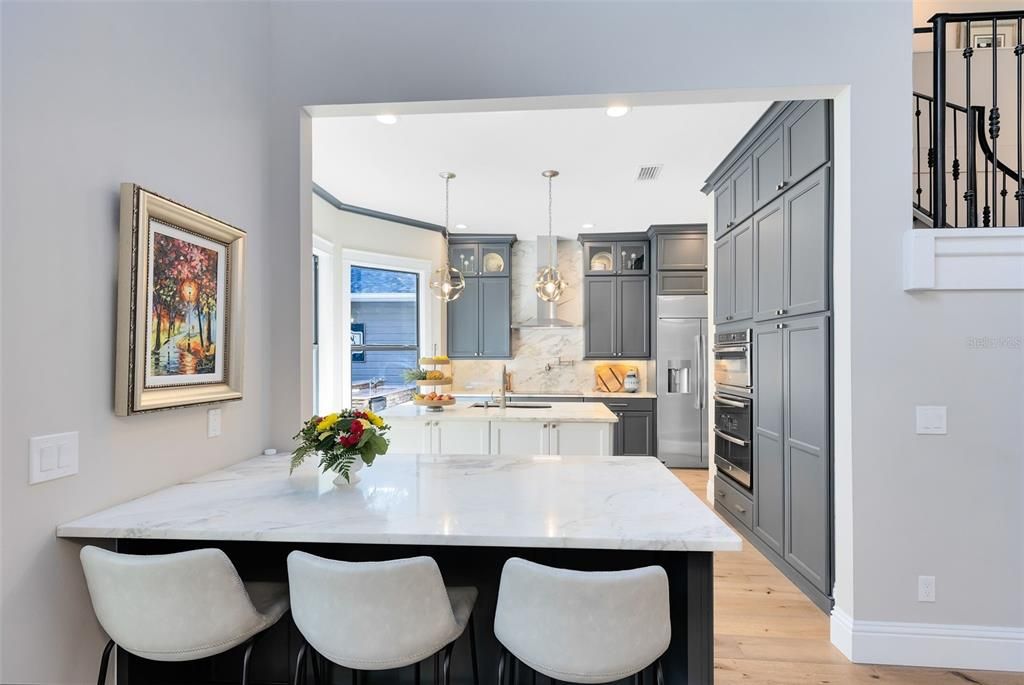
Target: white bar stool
<point>372,616</point>
<point>582,627</point>
<point>178,607</point>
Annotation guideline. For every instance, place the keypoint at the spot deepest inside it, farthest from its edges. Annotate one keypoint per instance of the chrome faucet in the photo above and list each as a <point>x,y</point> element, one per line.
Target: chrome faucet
<point>502,399</point>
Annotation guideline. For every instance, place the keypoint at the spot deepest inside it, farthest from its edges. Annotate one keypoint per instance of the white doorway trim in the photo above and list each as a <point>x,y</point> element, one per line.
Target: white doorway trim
<point>349,258</point>
<point>328,374</point>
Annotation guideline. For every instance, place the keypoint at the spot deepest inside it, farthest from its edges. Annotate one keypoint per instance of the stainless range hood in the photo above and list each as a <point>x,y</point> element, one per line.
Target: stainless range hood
<point>547,312</point>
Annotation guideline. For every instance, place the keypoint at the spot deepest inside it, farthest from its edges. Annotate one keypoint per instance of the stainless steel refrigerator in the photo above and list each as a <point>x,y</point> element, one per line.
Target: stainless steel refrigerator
<point>681,366</point>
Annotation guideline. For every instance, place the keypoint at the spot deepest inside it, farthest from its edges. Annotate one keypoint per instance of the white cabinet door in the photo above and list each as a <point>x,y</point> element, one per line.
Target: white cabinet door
<point>519,437</point>
<point>461,437</point>
<point>410,437</point>
<point>580,439</point>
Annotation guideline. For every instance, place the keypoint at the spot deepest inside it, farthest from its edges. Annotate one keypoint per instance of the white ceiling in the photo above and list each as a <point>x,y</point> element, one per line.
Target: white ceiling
<point>498,158</point>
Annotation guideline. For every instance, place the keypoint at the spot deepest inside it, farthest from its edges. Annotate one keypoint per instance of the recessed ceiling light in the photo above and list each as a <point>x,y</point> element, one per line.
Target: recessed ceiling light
<point>617,111</point>
<point>387,119</point>
<point>461,226</point>
<point>587,226</point>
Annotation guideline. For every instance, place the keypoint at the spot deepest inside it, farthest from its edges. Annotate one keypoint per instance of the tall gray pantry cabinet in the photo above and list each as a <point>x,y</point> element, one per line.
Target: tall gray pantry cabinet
<point>773,274</point>
<point>479,322</point>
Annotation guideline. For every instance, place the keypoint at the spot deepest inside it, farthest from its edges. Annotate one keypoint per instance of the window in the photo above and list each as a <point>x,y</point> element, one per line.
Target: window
<point>385,338</point>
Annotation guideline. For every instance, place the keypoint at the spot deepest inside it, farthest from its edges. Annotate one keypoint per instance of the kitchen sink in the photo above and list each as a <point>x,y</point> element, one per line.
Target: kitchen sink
<point>510,405</point>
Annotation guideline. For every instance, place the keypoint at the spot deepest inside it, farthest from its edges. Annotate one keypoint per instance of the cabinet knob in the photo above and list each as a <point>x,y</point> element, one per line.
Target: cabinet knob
<point>729,224</point>
<point>554,425</point>
<point>780,325</point>
<point>780,185</point>
<point>780,312</point>
<point>545,425</point>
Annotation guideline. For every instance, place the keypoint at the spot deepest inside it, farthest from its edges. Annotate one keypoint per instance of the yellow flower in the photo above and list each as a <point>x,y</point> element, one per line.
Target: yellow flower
<point>326,423</point>
<point>374,419</point>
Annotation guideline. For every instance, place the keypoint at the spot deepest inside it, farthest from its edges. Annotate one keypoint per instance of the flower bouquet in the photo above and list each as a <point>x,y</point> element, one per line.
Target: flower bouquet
<point>344,440</point>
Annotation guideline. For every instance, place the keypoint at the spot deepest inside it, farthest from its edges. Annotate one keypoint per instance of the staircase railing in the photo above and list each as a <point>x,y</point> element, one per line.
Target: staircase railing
<point>989,184</point>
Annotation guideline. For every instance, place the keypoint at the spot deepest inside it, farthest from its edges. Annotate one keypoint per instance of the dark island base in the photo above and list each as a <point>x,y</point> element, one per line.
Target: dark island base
<point>689,659</point>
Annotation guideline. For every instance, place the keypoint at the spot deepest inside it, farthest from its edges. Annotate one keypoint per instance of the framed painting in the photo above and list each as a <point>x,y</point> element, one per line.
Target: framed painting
<point>179,306</point>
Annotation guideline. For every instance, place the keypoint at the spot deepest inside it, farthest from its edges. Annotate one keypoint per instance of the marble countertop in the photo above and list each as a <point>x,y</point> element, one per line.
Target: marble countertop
<point>565,412</point>
<point>588,394</point>
<point>621,503</point>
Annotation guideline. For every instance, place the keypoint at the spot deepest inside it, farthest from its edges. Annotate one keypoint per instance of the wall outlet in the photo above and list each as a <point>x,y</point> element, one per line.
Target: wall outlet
<point>52,456</point>
<point>926,588</point>
<point>931,420</point>
<point>213,423</point>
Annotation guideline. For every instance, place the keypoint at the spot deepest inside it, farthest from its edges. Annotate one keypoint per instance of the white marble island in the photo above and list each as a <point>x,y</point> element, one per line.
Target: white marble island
<point>561,428</point>
<point>470,513</point>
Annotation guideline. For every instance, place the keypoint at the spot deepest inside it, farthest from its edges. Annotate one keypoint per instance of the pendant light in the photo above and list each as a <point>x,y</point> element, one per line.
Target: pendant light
<point>549,284</point>
<point>447,283</point>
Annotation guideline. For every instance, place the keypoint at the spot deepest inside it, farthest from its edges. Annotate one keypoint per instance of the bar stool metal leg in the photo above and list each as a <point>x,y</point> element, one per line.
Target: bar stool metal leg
<point>659,674</point>
<point>246,658</point>
<point>104,662</point>
<point>502,664</point>
<point>472,648</point>
<point>300,665</point>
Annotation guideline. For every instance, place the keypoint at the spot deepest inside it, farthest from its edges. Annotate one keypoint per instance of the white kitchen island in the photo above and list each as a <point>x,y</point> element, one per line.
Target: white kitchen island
<point>470,513</point>
<point>561,428</point>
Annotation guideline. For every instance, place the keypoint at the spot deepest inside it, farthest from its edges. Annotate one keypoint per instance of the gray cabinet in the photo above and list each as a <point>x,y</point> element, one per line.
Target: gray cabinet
<point>634,435</point>
<point>792,251</point>
<point>734,275</point>
<point>479,322</point>
<point>806,133</point>
<point>633,314</point>
<point>734,501</point>
<point>682,251</point>
<point>769,168</point>
<point>769,504</point>
<point>682,282</point>
<point>614,254</point>
<point>599,326</point>
<point>734,197</point>
<point>806,465</point>
<point>723,208</point>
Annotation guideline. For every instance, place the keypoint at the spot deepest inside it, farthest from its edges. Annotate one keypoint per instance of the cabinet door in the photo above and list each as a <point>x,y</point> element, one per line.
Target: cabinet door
<point>769,262</point>
<point>410,437</point>
<point>632,257</point>
<point>807,140</point>
<point>633,317</point>
<point>742,190</point>
<point>599,316</point>
<point>599,258</point>
<point>512,438</point>
<point>807,215</point>
<point>465,257</point>
<point>636,430</point>
<point>724,279</point>
<point>769,488</point>
<point>682,282</point>
<point>494,259</point>
<point>769,168</point>
<point>808,513</point>
<point>462,437</point>
<point>580,439</point>
<point>683,251</point>
<point>495,318</point>
<point>464,322</point>
<point>743,271</point>
<point>723,208</point>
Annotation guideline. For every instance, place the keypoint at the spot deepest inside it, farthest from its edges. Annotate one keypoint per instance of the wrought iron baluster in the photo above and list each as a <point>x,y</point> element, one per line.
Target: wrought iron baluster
<point>917,156</point>
<point>971,194</point>
<point>993,115</point>
<point>1018,51</point>
<point>956,176</point>
<point>931,159</point>
<point>938,181</point>
<point>986,211</point>
<point>1002,194</point>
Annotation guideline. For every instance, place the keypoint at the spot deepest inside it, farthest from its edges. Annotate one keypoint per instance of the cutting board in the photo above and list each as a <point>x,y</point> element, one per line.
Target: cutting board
<point>610,377</point>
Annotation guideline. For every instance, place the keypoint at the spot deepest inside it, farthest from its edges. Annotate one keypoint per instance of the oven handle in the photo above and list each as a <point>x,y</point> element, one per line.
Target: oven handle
<point>745,347</point>
<point>731,403</point>
<point>729,438</point>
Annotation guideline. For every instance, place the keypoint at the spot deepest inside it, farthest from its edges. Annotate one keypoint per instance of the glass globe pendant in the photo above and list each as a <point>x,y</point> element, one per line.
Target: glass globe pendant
<point>447,283</point>
<point>549,283</point>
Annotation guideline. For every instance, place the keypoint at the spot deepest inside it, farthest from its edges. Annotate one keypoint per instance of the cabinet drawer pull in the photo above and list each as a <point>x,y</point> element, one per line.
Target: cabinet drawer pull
<point>780,326</point>
<point>617,404</point>
<point>739,509</point>
<point>721,494</point>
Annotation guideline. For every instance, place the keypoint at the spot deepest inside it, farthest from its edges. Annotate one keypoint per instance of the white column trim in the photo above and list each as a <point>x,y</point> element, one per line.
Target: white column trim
<point>963,259</point>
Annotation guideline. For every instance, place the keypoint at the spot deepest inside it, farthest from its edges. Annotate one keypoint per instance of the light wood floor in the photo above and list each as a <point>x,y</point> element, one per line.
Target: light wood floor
<point>768,633</point>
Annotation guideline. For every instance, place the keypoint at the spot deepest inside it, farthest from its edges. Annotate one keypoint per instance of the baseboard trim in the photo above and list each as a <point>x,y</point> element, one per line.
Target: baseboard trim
<point>989,648</point>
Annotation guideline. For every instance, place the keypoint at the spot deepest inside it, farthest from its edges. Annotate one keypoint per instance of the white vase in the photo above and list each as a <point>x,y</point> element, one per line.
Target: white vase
<point>353,473</point>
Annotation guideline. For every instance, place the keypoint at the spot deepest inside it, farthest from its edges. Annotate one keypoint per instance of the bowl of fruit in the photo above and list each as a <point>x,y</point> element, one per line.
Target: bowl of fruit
<point>435,401</point>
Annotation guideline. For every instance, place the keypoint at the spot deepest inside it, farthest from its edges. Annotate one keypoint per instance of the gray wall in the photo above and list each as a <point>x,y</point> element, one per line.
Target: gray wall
<point>203,102</point>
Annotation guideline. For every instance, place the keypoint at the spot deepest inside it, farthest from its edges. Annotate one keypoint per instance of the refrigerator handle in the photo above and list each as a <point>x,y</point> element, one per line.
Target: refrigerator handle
<point>698,399</point>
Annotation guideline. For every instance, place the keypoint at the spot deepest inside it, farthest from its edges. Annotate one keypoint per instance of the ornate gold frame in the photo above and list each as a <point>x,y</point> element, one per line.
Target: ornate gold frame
<point>138,206</point>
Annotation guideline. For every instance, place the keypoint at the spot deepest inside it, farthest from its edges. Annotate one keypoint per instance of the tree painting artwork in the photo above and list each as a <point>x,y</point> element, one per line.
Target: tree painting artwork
<point>186,308</point>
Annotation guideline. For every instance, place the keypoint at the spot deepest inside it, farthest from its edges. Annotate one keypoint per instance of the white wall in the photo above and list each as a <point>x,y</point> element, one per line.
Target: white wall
<point>170,97</point>
<point>72,119</point>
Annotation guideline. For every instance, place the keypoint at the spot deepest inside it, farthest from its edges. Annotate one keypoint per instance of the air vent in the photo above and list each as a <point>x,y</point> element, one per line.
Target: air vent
<point>648,172</point>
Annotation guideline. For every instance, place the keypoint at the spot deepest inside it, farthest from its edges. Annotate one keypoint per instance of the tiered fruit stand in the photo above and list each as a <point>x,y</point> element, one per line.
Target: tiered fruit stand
<point>432,364</point>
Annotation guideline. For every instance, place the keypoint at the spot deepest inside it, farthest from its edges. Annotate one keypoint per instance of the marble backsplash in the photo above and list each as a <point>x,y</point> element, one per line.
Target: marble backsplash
<point>536,352</point>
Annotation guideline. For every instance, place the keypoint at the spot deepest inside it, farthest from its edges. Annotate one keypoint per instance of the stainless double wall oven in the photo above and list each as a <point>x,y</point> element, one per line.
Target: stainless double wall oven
<point>734,406</point>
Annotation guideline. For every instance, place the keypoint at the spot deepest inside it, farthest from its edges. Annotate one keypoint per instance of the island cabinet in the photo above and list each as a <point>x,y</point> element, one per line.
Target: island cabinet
<point>616,298</point>
<point>440,437</point>
<point>479,321</point>
<point>509,438</point>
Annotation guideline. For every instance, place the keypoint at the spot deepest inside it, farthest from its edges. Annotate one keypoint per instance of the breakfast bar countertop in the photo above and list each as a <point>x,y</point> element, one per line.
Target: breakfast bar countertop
<point>565,412</point>
<point>608,503</point>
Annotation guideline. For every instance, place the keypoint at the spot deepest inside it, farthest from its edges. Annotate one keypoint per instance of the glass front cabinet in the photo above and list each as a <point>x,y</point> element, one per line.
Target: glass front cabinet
<point>615,257</point>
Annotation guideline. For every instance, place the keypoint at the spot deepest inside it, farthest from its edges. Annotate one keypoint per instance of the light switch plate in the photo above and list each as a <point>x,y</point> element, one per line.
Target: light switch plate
<point>931,420</point>
<point>52,456</point>
<point>213,423</point>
